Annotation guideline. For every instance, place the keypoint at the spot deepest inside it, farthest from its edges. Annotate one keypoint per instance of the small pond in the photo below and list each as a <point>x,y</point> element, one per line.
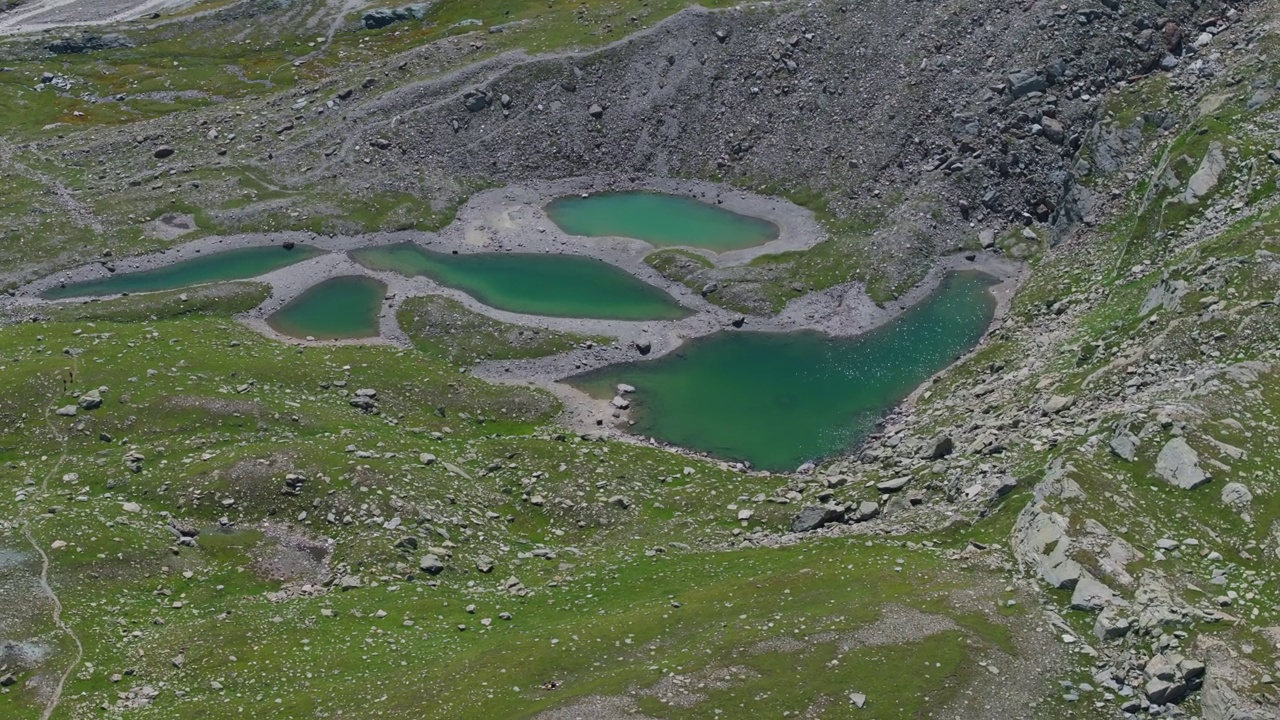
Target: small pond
<point>235,264</point>
<point>341,308</point>
<point>661,220</point>
<point>552,285</point>
<point>779,400</point>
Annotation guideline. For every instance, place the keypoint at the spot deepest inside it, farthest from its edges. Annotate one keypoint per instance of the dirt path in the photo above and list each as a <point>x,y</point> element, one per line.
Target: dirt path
<point>55,699</point>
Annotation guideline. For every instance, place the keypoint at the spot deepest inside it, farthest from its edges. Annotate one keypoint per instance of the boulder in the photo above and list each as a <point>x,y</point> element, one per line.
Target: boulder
<point>1059,403</point>
<point>1110,625</point>
<point>1025,82</point>
<point>431,565</point>
<point>866,511</point>
<point>163,152</point>
<point>475,101</point>
<point>1090,593</point>
<point>1178,465</point>
<point>938,448</point>
<point>91,400</point>
<point>1166,294</point>
<point>1124,445</point>
<point>1206,176</point>
<point>1163,692</point>
<point>1054,132</point>
<point>1236,495</point>
<point>893,486</point>
<point>1161,667</point>
<point>812,517</point>
<point>67,411</point>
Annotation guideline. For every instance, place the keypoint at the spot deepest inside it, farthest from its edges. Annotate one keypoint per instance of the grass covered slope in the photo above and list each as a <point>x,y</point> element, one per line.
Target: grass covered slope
<point>295,493</point>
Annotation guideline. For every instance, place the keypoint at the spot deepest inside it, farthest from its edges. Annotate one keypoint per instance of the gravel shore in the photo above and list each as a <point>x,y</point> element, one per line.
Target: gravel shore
<point>512,219</point>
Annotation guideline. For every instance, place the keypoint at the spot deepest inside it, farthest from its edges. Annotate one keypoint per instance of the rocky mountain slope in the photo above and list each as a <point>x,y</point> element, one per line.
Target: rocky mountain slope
<point>1086,505</point>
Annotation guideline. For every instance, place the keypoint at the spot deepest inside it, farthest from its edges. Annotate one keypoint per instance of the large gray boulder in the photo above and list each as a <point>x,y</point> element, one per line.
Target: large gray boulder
<point>1059,403</point>
<point>1166,294</point>
<point>1206,176</point>
<point>812,517</point>
<point>1090,593</point>
<point>91,400</point>
<point>1178,464</point>
<point>1236,495</point>
<point>1025,82</point>
<point>938,448</point>
<point>1124,445</point>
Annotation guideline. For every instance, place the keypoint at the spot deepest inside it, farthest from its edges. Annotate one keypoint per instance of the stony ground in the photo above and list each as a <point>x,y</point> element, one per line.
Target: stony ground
<point>1080,519</point>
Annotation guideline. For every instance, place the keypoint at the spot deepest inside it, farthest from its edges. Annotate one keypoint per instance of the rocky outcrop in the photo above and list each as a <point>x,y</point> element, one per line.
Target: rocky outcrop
<point>87,42</point>
<point>1178,464</point>
<point>382,17</point>
<point>1040,540</point>
<point>1166,294</point>
<point>1206,176</point>
<point>1226,677</point>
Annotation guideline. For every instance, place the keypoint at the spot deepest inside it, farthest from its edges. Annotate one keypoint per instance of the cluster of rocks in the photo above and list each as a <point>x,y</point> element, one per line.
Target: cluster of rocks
<point>382,17</point>
<point>365,400</point>
<point>87,42</point>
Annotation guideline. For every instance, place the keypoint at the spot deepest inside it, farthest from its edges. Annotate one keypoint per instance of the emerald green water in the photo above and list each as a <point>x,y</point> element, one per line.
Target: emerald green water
<point>215,267</point>
<point>780,400</point>
<point>554,285</point>
<point>661,220</point>
<point>337,309</point>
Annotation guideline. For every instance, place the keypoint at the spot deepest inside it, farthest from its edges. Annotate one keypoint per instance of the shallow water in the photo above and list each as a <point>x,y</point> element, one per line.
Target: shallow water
<point>661,220</point>
<point>552,285</point>
<point>337,309</point>
<point>235,264</point>
<point>779,400</point>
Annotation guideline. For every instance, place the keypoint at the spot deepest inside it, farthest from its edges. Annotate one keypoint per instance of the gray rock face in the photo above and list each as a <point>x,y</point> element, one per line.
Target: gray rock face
<point>1236,495</point>
<point>1166,294</point>
<point>1091,594</point>
<point>1059,403</point>
<point>939,448</point>
<point>1178,465</point>
<point>431,565</point>
<point>1040,541</point>
<point>1163,692</point>
<point>1110,625</point>
<point>1124,445</point>
<point>1206,176</point>
<point>67,411</point>
<point>1025,82</point>
<point>813,517</point>
<point>866,511</point>
<point>894,485</point>
<point>91,400</point>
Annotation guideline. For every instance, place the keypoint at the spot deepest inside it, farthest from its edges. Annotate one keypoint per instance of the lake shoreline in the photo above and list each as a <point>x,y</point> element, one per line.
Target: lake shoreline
<point>512,220</point>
